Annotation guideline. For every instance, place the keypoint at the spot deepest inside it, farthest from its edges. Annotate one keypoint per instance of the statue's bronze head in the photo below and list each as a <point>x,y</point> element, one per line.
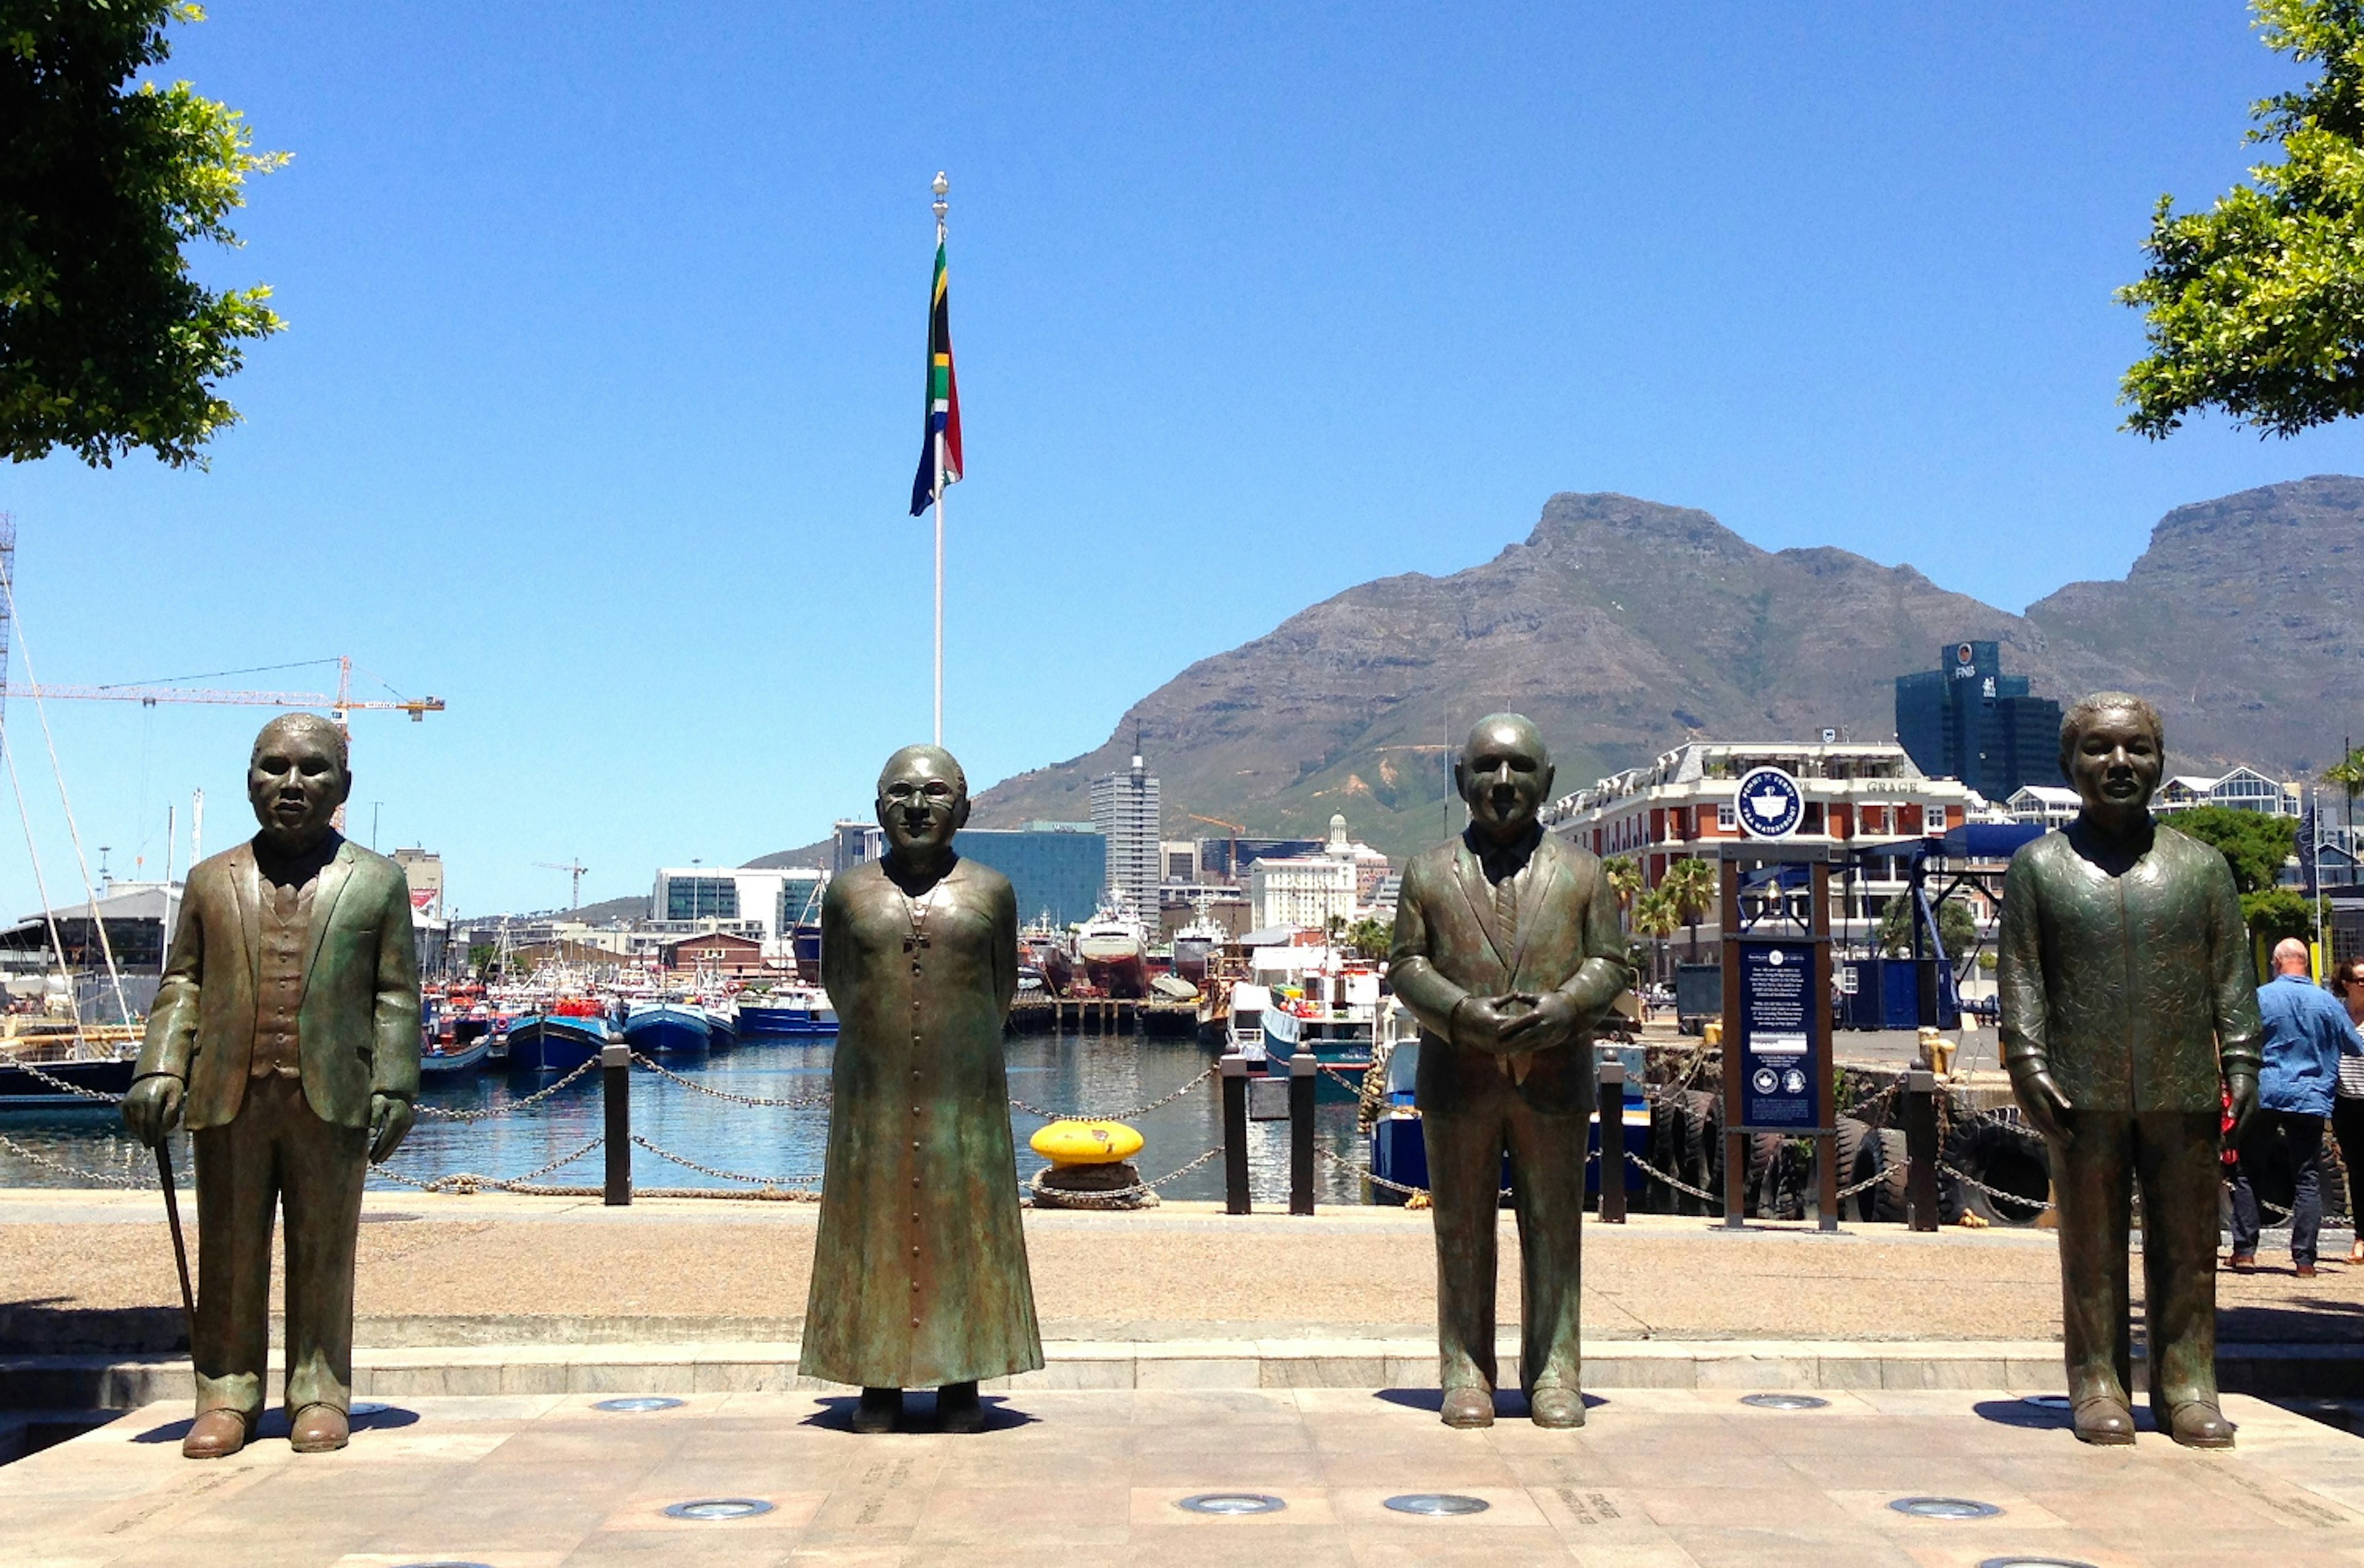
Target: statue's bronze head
<point>2112,749</point>
<point>1504,774</point>
<point>296,778</point>
<point>922,802</point>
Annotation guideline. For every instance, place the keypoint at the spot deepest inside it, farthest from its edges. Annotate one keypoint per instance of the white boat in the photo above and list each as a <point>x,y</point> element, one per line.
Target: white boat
<point>1110,947</point>
<point>1243,1027</point>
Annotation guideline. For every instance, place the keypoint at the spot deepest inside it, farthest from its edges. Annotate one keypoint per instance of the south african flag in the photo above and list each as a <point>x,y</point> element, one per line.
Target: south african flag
<point>943,402</point>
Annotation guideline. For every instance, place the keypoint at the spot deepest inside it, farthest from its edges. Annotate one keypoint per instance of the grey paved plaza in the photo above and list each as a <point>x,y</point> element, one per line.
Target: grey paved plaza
<point>1659,1478</point>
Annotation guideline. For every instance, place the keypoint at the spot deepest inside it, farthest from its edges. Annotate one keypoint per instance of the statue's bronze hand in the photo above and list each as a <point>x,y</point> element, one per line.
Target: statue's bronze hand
<point>151,1107</point>
<point>1479,1022</point>
<point>2243,1087</point>
<point>2041,1099</point>
<point>1550,1020</point>
<point>390,1118</point>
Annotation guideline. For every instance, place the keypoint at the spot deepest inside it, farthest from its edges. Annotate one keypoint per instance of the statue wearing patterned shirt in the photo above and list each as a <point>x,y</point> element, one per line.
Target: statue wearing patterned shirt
<point>919,1274</point>
<point>2129,1014</point>
<point>286,1026</point>
<point>1508,951</point>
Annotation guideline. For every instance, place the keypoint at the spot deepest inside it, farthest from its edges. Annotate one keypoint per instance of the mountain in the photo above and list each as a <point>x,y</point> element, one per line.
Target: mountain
<point>1625,627</point>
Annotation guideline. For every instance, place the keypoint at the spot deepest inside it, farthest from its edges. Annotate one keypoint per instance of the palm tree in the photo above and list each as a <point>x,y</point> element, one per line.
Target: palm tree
<point>1690,884</point>
<point>2348,774</point>
<point>1656,917</point>
<point>1624,878</point>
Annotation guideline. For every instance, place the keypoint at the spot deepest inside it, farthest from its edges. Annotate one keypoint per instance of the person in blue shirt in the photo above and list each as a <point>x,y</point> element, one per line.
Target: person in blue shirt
<point>2306,1034</point>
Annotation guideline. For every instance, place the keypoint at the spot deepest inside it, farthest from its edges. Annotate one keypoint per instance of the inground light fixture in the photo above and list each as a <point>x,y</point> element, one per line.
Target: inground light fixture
<point>1944,1508</point>
<point>1233,1503</point>
<point>1437,1505</point>
<point>712,1510</point>
<point>1784,1401</point>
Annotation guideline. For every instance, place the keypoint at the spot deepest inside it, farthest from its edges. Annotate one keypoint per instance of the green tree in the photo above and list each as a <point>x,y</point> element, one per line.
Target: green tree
<point>2348,774</point>
<point>2256,845</point>
<point>107,341</point>
<point>1656,917</point>
<point>1370,938</point>
<point>1691,884</point>
<point>1956,927</point>
<point>2256,306</point>
<point>1624,878</point>
<point>2274,913</point>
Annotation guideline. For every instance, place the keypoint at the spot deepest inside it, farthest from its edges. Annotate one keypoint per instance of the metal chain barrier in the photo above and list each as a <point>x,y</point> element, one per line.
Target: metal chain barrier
<point>1366,1174</point>
<point>807,1103</point>
<point>1676,1183</point>
<point>77,1090</point>
<point>2032,1204</point>
<point>778,1182</point>
<point>1114,1116</point>
<point>1094,1199</point>
<point>105,1178</point>
<point>469,1181</point>
<point>436,1113</point>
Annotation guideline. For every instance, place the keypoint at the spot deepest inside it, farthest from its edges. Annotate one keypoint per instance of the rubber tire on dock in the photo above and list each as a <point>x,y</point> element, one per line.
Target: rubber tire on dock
<point>1882,1203</point>
<point>2005,1153</point>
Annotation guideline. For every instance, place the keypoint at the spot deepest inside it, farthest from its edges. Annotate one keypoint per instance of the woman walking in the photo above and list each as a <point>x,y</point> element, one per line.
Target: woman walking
<point>2348,1110</point>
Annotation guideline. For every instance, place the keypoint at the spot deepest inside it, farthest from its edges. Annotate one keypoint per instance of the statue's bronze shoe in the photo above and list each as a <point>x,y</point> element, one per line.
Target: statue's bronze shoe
<point>957,1409</point>
<point>880,1411</point>
<point>2197,1423</point>
<point>2104,1420</point>
<point>318,1429</point>
<point>1468,1407</point>
<point>1556,1407</point>
<point>215,1434</point>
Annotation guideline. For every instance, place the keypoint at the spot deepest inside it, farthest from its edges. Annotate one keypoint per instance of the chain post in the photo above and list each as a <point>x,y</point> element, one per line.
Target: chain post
<point>616,1089</point>
<point>1612,1102</point>
<point>1921,1149</point>
<point>1303,1070</point>
<point>1235,1134</point>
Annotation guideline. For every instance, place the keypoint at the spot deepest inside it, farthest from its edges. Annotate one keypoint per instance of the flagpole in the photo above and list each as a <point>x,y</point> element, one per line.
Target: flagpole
<point>940,188</point>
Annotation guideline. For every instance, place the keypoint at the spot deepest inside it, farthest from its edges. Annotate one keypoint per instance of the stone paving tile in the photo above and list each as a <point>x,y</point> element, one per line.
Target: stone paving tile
<point>1658,1479</point>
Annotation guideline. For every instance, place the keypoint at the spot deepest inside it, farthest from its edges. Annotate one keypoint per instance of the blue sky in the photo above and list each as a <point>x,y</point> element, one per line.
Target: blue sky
<point>600,398</point>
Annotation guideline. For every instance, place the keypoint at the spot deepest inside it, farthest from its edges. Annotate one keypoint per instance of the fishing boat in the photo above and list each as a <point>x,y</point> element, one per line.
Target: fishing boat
<point>786,1014</point>
<point>446,1058</point>
<point>1111,949</point>
<point>558,1039</point>
<point>1328,1005</point>
<point>669,1029</point>
<point>722,1024</point>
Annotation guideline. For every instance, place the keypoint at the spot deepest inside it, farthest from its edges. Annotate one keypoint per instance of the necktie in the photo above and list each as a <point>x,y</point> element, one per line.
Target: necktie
<point>1506,908</point>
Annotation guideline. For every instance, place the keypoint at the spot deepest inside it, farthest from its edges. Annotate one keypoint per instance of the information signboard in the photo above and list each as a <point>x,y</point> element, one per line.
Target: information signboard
<point>1780,1037</point>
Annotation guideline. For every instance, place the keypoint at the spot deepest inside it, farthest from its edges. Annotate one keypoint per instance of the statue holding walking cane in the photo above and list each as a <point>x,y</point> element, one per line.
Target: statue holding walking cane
<point>286,1031</point>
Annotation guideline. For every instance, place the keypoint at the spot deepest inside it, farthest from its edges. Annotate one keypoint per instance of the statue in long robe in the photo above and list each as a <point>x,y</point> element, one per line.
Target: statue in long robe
<point>919,1275</point>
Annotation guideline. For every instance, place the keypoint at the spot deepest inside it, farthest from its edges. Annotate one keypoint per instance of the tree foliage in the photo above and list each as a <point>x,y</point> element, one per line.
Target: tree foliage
<point>2348,774</point>
<point>1957,927</point>
<point>1370,938</point>
<point>2256,306</point>
<point>2256,845</point>
<point>107,341</point>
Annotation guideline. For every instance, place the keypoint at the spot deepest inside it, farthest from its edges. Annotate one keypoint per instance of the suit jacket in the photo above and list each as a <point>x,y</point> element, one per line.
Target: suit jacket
<point>1447,948</point>
<point>2135,991</point>
<point>357,1027</point>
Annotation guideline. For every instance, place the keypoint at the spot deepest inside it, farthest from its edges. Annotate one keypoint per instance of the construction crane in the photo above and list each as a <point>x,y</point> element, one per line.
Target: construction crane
<point>576,868</point>
<point>1237,828</point>
<point>338,706</point>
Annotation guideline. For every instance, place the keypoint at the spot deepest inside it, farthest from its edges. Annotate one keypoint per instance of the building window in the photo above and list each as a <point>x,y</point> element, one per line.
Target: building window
<point>1727,818</point>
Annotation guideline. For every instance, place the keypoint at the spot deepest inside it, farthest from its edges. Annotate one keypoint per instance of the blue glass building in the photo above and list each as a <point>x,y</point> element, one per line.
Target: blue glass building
<point>1968,720</point>
<point>1057,872</point>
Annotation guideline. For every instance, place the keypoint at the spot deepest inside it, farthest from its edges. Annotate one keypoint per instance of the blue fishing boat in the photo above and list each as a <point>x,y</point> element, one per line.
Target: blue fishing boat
<point>554,1042</point>
<point>722,1025</point>
<point>787,1015</point>
<point>669,1029</point>
<point>446,1059</point>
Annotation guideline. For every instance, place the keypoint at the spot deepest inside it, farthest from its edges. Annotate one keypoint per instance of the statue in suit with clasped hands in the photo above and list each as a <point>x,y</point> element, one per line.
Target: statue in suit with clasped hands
<point>285,1031</point>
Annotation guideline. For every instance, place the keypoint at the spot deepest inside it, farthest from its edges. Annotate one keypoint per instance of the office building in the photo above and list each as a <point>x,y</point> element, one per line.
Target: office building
<point>768,903</point>
<point>1228,859</point>
<point>1968,720</point>
<point>1125,813</point>
<point>856,841</point>
<point>1057,869</point>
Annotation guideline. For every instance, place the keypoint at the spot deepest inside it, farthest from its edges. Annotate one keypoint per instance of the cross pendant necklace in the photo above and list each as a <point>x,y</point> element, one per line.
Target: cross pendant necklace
<point>917,909</point>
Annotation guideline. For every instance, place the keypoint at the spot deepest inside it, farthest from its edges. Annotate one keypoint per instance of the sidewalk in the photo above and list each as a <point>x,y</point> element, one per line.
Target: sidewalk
<point>1656,1479</point>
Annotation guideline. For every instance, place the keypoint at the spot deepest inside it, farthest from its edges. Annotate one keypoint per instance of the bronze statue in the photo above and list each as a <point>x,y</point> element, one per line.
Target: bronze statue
<point>1508,951</point>
<point>287,1028</point>
<point>2129,1011</point>
<point>920,1271</point>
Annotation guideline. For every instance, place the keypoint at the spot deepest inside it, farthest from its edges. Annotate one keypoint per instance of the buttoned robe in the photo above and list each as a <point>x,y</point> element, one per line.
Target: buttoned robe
<point>919,1274</point>
<point>2137,993</point>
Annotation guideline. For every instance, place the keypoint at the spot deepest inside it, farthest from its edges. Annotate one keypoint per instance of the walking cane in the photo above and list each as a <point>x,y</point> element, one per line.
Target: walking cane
<point>180,1248</point>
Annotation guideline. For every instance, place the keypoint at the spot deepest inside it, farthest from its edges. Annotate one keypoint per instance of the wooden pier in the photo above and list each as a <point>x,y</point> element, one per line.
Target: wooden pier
<point>1103,1015</point>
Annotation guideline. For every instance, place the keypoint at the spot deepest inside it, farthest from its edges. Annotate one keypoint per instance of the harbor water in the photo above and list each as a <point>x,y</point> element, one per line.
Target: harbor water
<point>782,1146</point>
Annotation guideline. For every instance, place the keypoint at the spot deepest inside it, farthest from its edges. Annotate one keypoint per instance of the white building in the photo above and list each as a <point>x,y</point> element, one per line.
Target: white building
<point>2242,789</point>
<point>2047,805</point>
<point>1305,891</point>
<point>1866,795</point>
<point>1125,813</point>
<point>769,903</point>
